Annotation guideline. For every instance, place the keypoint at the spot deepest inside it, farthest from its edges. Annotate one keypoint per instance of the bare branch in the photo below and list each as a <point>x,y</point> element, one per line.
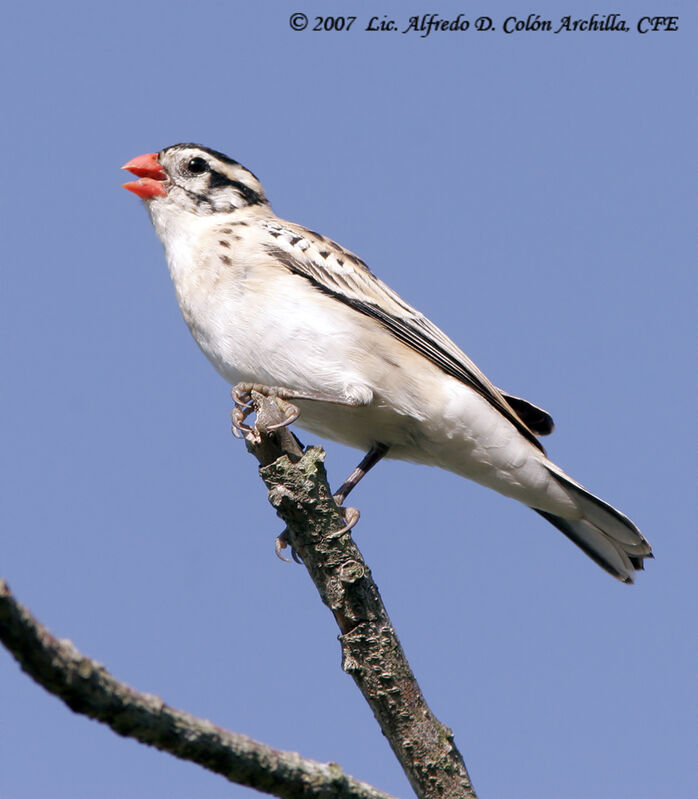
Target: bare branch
<point>88,688</point>
<point>371,652</point>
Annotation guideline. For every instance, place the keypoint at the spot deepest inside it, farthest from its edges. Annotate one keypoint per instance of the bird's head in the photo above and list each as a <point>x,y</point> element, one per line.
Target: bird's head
<point>194,179</point>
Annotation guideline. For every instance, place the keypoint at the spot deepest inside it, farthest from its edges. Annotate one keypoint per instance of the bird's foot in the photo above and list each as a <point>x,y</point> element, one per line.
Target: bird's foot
<point>243,397</point>
<point>246,397</point>
<point>351,517</point>
<point>281,542</point>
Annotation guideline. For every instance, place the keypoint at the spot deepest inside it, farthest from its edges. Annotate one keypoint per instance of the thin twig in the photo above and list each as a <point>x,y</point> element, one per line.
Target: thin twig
<point>88,688</point>
<point>371,652</point>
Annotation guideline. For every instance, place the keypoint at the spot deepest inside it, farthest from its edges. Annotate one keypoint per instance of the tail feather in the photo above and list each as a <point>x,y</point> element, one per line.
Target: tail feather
<point>607,536</point>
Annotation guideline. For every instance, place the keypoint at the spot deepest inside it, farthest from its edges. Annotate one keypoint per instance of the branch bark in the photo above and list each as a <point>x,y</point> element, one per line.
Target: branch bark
<point>88,688</point>
<point>371,652</point>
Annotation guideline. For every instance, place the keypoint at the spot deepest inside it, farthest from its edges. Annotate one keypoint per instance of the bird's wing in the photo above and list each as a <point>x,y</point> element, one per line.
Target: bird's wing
<point>342,275</point>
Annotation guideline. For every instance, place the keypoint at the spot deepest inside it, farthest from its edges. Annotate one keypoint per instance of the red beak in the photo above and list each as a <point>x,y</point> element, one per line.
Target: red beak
<point>147,167</point>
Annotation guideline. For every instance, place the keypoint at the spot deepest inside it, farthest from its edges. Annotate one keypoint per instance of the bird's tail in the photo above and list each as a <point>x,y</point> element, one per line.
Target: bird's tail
<point>604,533</point>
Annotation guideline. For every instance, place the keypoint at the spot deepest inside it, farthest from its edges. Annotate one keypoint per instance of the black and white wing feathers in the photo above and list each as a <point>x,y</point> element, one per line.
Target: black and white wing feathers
<point>345,277</point>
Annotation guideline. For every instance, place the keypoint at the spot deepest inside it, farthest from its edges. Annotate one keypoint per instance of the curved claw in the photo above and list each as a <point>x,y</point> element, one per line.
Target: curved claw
<point>238,416</point>
<point>352,516</point>
<point>281,543</point>
<point>243,408</point>
<point>290,412</point>
<point>241,396</point>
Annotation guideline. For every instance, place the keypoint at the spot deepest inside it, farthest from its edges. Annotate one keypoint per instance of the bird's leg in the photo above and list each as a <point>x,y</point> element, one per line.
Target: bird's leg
<point>242,396</point>
<point>371,458</point>
<point>351,515</point>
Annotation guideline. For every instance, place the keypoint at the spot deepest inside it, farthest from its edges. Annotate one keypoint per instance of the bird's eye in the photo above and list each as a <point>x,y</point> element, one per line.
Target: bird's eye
<point>197,165</point>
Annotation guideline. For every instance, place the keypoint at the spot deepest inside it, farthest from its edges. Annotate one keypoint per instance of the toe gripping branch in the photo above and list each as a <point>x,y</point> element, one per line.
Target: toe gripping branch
<point>269,438</point>
<point>271,405</point>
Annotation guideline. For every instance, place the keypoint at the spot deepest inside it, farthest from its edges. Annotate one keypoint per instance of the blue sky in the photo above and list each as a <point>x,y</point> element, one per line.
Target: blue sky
<point>531,194</point>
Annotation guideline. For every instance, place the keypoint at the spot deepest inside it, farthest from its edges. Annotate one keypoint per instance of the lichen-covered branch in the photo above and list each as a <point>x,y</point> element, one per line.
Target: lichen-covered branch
<point>88,688</point>
<point>371,652</point>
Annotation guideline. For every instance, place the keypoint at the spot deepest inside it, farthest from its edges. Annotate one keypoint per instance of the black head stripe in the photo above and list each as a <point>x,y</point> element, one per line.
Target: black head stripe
<point>220,156</point>
<point>215,153</point>
<point>217,179</point>
<point>192,145</point>
<point>250,196</point>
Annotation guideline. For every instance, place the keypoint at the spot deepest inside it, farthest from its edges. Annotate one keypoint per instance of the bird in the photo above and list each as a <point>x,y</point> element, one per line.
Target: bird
<point>281,309</point>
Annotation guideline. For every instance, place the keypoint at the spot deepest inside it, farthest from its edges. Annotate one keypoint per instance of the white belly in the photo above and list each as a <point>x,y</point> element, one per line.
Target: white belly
<point>252,333</point>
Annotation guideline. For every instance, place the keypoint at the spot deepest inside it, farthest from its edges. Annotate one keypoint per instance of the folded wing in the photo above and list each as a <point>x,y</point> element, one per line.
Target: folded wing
<point>339,273</point>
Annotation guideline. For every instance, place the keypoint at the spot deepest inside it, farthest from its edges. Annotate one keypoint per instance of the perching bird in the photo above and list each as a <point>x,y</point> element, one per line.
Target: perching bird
<point>273,303</point>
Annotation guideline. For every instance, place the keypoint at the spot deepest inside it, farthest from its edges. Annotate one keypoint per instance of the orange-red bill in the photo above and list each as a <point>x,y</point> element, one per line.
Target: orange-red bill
<point>151,174</point>
<point>146,166</point>
<point>146,188</point>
